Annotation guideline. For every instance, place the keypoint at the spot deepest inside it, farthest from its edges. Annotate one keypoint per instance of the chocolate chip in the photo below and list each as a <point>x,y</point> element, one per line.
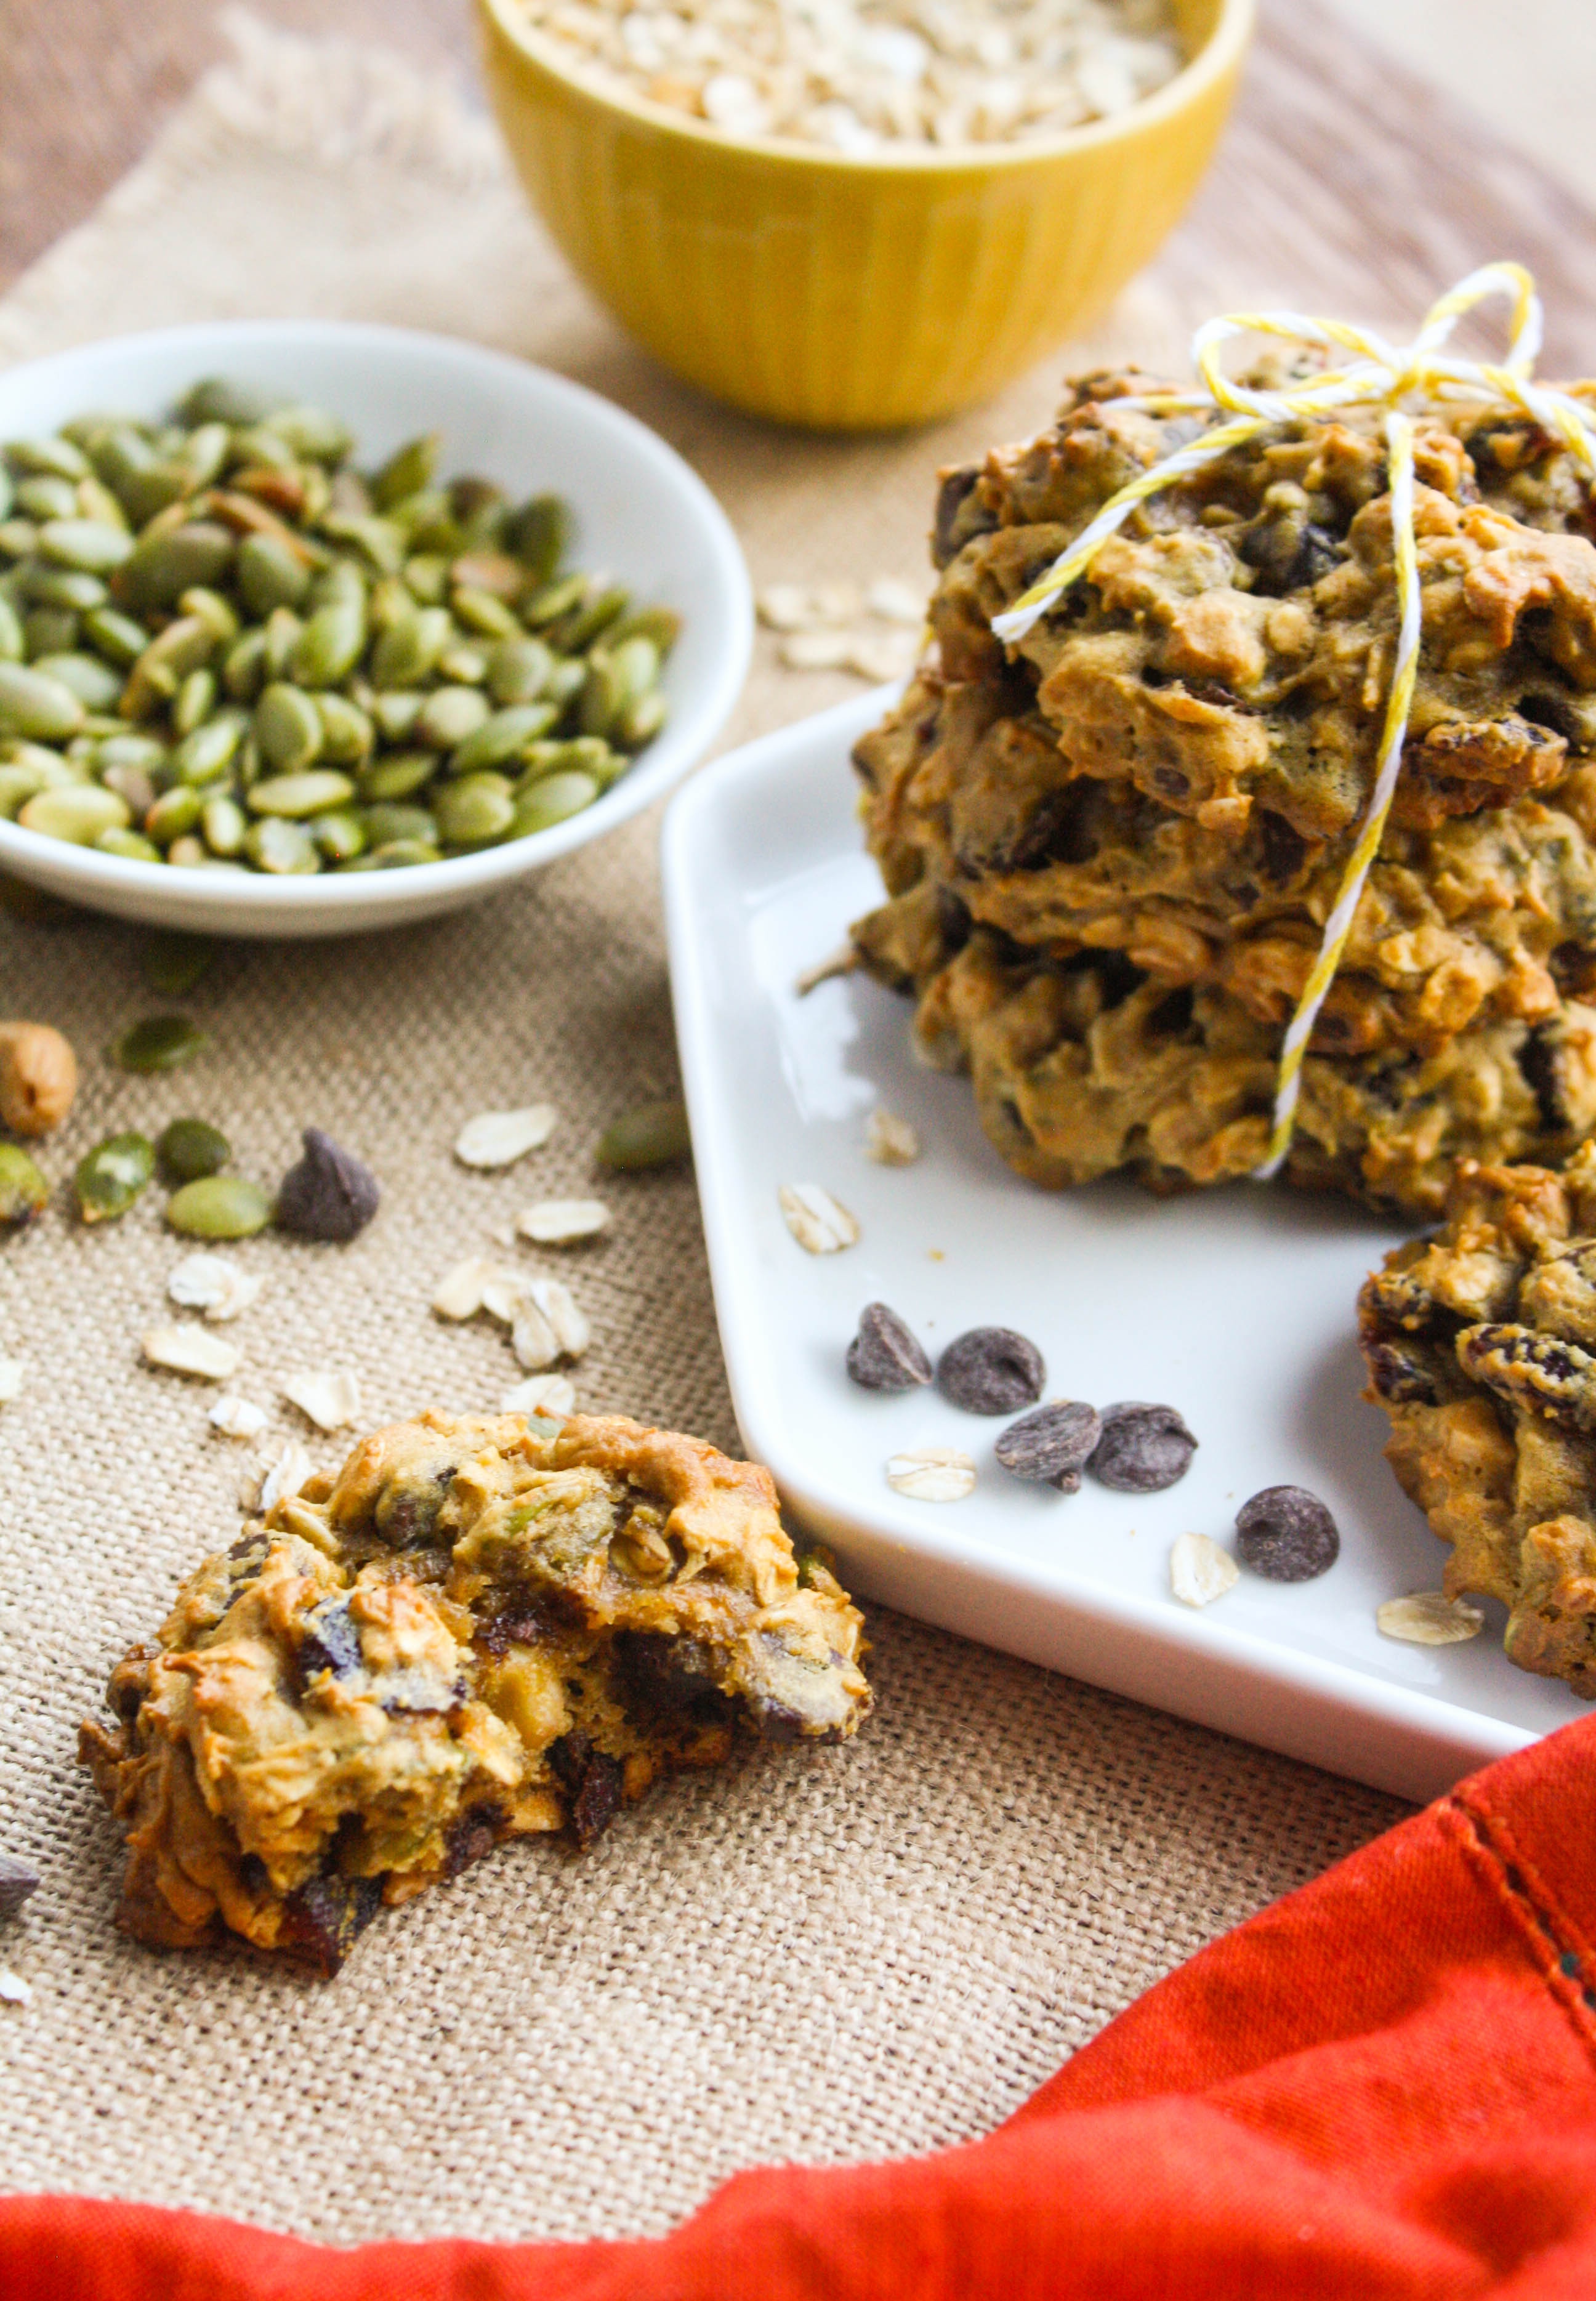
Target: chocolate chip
<point>1143,1449</point>
<point>328,1640</point>
<point>592,1780</point>
<point>17,1881</point>
<point>1286,1534</point>
<point>328,1194</point>
<point>884,1355</point>
<point>471,1836</point>
<point>322,1921</point>
<point>991,1370</point>
<point>1052,1445</point>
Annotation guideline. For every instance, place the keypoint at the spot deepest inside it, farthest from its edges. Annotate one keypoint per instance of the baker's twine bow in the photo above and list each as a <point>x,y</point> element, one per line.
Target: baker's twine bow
<point>1379,374</point>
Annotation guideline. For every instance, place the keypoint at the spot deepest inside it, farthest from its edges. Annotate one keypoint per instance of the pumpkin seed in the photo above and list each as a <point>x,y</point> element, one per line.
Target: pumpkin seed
<point>46,497</point>
<point>209,752</point>
<point>35,705</point>
<point>340,835</point>
<point>56,457</point>
<point>10,632</point>
<point>77,813</point>
<point>312,434</point>
<point>219,1206</point>
<point>387,822</point>
<point>92,546</point>
<point>223,826</point>
<point>501,736</point>
<point>174,814</point>
<point>474,810</point>
<point>407,471</point>
<point>161,568</point>
<point>641,719</point>
<point>24,1192</point>
<point>132,846</point>
<point>397,775</point>
<point>116,636</point>
<point>449,716</point>
<point>396,854</point>
<point>287,728</point>
<point>270,574</point>
<point>160,1042</point>
<point>112,1175</point>
<point>43,586</point>
<point>348,734</point>
<point>552,799</point>
<point>408,650</point>
<point>537,532</point>
<point>281,846</point>
<point>517,669</point>
<point>299,795</point>
<point>190,1148</point>
<point>329,645</point>
<point>652,1135</point>
<point>94,683</point>
<point>49,631</point>
<point>195,700</point>
<point>212,611</point>
<point>480,611</point>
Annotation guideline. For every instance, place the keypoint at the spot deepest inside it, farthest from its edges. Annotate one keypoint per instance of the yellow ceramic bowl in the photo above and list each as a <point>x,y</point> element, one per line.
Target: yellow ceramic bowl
<point>853,293</point>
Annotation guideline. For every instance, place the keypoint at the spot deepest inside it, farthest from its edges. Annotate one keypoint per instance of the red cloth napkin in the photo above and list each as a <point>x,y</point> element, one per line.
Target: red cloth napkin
<point>1382,2089</point>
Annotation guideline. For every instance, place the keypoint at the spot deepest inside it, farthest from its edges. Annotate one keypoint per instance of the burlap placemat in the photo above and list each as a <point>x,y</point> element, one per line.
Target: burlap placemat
<point>827,1955</point>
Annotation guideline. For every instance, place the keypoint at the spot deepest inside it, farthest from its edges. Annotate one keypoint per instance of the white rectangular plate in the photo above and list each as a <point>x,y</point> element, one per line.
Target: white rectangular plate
<point>1236,1306</point>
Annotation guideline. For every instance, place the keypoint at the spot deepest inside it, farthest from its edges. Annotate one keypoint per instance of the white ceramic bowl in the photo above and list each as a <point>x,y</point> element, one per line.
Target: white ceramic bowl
<point>641,516</point>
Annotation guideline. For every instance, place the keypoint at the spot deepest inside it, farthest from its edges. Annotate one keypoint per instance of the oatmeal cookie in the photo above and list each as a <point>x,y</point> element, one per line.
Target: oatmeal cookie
<point>1158,791</point>
<point>482,1628</point>
<point>1480,1345</point>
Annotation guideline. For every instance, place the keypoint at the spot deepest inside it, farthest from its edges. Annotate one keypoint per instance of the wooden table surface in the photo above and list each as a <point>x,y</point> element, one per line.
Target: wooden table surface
<point>1393,173</point>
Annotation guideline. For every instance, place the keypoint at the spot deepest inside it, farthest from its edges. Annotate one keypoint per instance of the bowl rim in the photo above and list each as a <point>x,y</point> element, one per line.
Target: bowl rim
<point>679,747</point>
<point>1220,54</point>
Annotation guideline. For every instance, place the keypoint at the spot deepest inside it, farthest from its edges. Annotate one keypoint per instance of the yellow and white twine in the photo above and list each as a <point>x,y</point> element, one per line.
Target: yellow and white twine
<point>1379,374</point>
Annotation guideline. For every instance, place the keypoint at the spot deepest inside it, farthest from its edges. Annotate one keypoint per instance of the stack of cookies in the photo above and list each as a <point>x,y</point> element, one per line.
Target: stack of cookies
<point>1110,850</point>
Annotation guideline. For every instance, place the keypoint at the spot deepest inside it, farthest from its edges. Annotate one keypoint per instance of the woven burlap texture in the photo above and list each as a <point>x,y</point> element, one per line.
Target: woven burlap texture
<point>821,1956</point>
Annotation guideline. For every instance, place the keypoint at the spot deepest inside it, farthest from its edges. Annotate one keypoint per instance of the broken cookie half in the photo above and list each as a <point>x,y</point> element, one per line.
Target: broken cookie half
<point>484,1628</point>
<point>1480,1341</point>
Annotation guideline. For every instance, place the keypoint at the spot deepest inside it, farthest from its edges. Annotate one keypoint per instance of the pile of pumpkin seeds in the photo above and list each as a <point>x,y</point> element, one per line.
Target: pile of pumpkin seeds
<point>224,647</point>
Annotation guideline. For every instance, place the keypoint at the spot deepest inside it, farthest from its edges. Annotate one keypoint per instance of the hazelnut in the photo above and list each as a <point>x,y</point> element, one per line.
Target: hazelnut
<point>38,1078</point>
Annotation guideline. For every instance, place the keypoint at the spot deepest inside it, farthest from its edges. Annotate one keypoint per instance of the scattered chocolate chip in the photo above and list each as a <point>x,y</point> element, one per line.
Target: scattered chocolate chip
<point>1286,1534</point>
<point>17,1881</point>
<point>884,1355</point>
<point>1143,1449</point>
<point>328,1194</point>
<point>1052,1445</point>
<point>991,1370</point>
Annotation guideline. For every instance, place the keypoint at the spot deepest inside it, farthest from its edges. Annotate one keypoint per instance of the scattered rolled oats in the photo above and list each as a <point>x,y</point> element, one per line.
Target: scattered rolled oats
<point>540,1393</point>
<point>191,1350</point>
<point>858,79</point>
<point>498,1138</point>
<point>840,962</point>
<point>821,1223</point>
<point>932,1474</point>
<point>891,1141</point>
<point>556,1222</point>
<point>14,1990</point>
<point>895,602</point>
<point>214,1284</point>
<point>786,607</point>
<point>237,1417</point>
<point>883,655</point>
<point>285,1476</point>
<point>818,650</point>
<point>13,1374</point>
<point>1200,1570</point>
<point>1429,1617</point>
<point>505,1295</point>
<point>460,1291</point>
<point>549,1327</point>
<point>329,1398</point>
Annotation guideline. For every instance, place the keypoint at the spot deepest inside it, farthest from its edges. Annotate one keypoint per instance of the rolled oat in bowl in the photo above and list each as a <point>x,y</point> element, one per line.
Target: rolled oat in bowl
<point>857,76</point>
